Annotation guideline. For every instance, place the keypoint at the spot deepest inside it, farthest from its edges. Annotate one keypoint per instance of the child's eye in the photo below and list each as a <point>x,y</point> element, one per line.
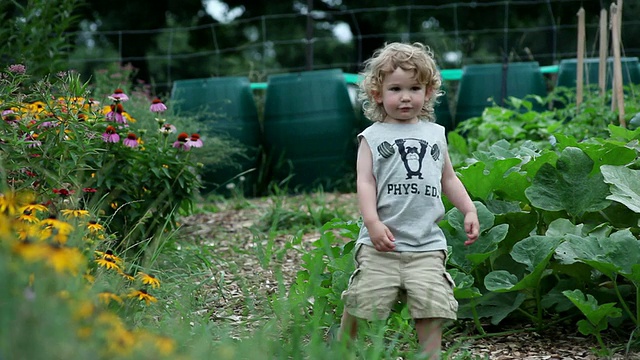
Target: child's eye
<point>416,88</point>
<point>394,88</point>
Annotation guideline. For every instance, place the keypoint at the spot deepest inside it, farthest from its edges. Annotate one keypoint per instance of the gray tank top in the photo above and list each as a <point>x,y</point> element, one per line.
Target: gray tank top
<point>408,160</point>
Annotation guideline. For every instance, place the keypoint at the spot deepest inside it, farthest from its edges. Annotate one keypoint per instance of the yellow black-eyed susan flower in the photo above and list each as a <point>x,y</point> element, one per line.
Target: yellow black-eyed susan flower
<point>60,226</point>
<point>94,227</point>
<point>109,255</point>
<point>34,208</point>
<point>9,203</point>
<point>107,297</point>
<point>120,341</point>
<point>65,259</point>
<point>127,275</point>
<point>76,213</point>
<point>108,264</point>
<point>31,251</point>
<point>142,295</point>
<point>149,279</point>
<point>28,216</point>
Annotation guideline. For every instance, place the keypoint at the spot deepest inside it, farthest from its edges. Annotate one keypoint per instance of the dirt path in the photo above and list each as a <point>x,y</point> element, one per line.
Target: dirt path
<point>241,282</point>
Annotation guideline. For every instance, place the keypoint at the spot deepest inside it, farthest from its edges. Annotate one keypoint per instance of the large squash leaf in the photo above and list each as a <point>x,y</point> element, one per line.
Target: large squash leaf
<point>624,185</point>
<point>568,186</point>
<point>534,252</point>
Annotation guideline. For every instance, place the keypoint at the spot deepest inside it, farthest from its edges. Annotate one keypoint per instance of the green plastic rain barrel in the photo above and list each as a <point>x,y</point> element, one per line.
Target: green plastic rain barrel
<point>568,70</point>
<point>482,85</point>
<point>223,107</point>
<point>309,129</point>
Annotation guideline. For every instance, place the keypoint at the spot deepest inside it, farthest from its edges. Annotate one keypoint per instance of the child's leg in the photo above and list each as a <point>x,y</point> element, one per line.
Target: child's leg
<point>430,337</point>
<point>348,324</point>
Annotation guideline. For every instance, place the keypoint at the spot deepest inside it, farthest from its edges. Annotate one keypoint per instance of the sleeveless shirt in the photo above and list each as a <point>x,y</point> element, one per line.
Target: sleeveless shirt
<point>408,160</point>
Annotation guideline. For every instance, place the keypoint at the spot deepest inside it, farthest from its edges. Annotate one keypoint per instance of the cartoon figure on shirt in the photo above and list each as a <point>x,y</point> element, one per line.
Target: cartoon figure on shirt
<point>412,157</point>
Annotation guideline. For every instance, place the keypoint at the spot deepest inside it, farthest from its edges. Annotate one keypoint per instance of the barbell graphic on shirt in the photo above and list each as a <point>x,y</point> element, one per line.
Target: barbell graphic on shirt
<point>386,149</point>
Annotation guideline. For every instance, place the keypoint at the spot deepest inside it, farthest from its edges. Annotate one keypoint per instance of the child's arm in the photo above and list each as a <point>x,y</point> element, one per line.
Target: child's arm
<point>381,236</point>
<point>454,190</point>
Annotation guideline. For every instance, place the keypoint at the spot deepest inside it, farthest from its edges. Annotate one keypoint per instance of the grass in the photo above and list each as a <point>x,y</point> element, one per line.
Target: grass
<point>242,279</point>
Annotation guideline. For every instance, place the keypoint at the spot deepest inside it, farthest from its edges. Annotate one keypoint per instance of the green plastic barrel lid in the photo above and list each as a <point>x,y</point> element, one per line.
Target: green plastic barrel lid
<point>223,107</point>
<point>309,126</point>
<point>568,72</point>
<point>484,84</point>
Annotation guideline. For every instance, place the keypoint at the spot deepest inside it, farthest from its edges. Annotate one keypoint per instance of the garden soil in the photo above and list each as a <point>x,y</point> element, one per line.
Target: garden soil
<point>242,282</point>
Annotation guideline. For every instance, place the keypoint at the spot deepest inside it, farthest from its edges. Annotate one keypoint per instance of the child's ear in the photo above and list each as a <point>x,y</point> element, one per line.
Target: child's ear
<point>377,96</point>
<point>428,93</point>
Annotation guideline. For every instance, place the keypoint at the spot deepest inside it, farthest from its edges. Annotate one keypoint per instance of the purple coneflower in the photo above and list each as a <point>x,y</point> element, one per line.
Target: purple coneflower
<point>157,106</point>
<point>110,135</point>
<point>32,140</point>
<point>116,114</point>
<point>195,141</point>
<point>10,116</point>
<point>182,142</point>
<point>131,140</point>
<point>119,96</point>
<point>167,129</point>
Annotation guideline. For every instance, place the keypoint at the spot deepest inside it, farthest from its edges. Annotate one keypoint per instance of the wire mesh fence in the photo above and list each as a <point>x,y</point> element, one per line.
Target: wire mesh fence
<point>460,33</point>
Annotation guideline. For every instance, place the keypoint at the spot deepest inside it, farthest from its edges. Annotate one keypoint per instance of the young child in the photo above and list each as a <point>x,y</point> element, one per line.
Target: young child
<point>403,168</point>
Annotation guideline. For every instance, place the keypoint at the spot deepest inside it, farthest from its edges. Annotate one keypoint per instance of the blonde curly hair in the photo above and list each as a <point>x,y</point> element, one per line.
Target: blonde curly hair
<point>414,57</point>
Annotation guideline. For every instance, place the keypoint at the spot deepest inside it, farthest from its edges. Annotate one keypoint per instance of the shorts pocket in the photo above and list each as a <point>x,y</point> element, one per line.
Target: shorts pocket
<point>453,303</point>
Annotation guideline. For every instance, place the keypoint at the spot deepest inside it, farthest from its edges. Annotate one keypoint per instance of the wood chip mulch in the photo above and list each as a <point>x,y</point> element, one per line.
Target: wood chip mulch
<point>240,283</point>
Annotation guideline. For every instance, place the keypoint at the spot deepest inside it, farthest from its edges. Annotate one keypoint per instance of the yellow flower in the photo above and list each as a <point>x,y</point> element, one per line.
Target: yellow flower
<point>94,227</point>
<point>83,310</point>
<point>110,256</point>
<point>75,213</point>
<point>31,251</point>
<point>34,207</point>
<point>9,203</point>
<point>106,297</point>
<point>120,341</point>
<point>142,295</point>
<point>127,276</point>
<point>108,264</point>
<point>148,279</point>
<point>165,345</point>
<point>28,216</point>
<point>60,226</point>
<point>90,278</point>
<point>65,259</point>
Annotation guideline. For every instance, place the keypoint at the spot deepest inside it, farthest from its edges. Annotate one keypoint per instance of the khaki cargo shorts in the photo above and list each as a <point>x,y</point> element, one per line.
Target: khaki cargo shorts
<point>383,278</point>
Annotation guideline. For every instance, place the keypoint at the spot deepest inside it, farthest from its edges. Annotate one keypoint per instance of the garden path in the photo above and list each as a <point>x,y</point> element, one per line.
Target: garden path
<point>244,280</point>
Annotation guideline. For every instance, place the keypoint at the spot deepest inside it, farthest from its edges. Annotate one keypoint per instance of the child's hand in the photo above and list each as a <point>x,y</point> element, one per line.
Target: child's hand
<point>471,227</point>
<point>381,237</point>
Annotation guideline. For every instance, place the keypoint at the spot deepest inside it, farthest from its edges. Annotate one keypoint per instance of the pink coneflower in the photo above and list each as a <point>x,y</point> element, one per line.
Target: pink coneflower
<point>131,140</point>
<point>116,114</point>
<point>182,142</point>
<point>17,69</point>
<point>157,106</point>
<point>195,141</point>
<point>119,96</point>
<point>50,121</point>
<point>110,135</point>
<point>32,140</point>
<point>10,116</point>
<point>167,129</point>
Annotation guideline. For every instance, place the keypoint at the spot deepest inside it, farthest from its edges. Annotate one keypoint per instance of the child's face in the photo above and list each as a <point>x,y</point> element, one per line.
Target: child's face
<point>402,96</point>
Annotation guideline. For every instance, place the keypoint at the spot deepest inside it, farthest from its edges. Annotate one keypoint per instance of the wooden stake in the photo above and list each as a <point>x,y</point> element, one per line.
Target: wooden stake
<point>617,65</point>
<point>580,59</point>
<point>604,49</point>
